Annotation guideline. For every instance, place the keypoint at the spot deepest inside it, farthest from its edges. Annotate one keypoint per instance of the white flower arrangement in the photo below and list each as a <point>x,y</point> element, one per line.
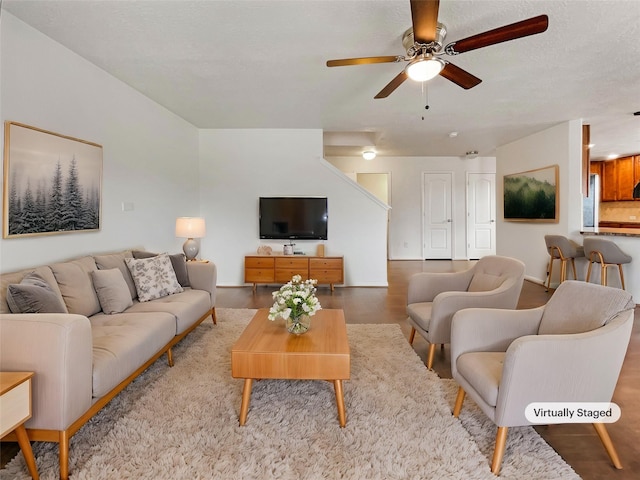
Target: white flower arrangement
<point>295,298</point>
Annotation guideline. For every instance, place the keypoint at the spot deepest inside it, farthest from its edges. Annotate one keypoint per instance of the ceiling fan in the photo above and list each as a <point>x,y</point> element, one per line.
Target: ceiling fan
<point>423,43</point>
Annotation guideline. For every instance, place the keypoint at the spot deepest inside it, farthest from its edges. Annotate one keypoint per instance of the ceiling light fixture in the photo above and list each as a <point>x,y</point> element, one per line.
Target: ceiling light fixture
<point>368,154</point>
<point>612,156</point>
<point>424,67</point>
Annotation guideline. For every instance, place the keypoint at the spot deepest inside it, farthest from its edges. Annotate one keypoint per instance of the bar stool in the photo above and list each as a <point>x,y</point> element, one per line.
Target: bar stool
<point>565,250</point>
<point>608,254</point>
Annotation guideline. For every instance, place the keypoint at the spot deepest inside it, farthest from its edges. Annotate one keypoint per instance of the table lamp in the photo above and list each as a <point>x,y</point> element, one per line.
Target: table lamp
<point>190,228</point>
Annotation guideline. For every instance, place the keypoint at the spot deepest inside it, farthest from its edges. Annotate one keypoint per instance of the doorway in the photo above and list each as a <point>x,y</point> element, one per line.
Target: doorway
<point>436,214</point>
<point>481,214</point>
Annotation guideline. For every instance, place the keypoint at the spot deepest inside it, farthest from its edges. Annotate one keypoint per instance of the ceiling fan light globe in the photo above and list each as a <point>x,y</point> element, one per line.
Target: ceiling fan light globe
<point>423,69</point>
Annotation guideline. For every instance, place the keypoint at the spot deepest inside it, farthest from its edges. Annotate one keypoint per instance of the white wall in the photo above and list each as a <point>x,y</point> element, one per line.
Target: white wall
<point>150,156</point>
<point>405,216</point>
<point>239,166</point>
<point>561,145</point>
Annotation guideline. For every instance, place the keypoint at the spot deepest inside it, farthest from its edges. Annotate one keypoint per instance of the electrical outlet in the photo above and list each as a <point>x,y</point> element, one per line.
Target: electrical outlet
<point>632,217</point>
<point>127,206</point>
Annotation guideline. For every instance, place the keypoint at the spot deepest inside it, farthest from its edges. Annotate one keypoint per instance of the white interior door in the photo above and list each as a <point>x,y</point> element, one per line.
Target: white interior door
<point>437,220</point>
<point>481,215</point>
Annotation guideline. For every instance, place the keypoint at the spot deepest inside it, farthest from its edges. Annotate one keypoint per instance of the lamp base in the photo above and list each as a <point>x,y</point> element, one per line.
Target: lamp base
<point>190,249</point>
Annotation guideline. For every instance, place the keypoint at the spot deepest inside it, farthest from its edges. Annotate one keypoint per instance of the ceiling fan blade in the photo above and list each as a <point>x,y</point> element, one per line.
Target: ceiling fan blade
<point>424,14</point>
<point>392,85</point>
<point>521,29</point>
<point>459,76</point>
<point>362,61</point>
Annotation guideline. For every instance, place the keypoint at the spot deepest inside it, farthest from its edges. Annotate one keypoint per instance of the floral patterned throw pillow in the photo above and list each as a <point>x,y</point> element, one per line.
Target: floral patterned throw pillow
<point>154,277</point>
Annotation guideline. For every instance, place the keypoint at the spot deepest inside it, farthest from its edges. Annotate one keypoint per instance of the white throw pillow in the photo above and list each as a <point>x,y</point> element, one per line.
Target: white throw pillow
<point>154,277</point>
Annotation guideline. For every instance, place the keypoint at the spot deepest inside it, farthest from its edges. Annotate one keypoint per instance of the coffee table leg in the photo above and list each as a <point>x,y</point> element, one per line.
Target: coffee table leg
<point>337,384</point>
<point>246,398</point>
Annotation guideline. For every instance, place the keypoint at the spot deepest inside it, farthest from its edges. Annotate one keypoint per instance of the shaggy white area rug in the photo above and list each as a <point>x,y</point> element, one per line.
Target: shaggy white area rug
<point>182,422</point>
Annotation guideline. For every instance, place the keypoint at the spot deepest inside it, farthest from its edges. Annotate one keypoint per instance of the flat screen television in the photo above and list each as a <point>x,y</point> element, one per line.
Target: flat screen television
<point>302,218</point>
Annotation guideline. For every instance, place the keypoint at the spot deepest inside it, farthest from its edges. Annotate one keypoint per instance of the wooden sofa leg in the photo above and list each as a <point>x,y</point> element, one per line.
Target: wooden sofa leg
<point>213,316</point>
<point>498,453</point>
<point>63,446</point>
<point>608,444</point>
<point>170,357</point>
<point>459,401</point>
<point>412,336</point>
<point>430,355</point>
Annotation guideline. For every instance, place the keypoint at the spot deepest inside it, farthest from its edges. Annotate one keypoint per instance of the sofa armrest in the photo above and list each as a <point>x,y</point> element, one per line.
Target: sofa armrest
<point>203,276</point>
<point>59,349</point>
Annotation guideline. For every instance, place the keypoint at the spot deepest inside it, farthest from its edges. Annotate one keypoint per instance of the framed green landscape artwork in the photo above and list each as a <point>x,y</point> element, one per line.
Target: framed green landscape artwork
<point>532,196</point>
<point>52,183</point>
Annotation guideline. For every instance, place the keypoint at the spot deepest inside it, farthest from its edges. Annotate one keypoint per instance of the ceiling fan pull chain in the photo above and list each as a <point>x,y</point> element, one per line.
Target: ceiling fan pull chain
<point>425,96</point>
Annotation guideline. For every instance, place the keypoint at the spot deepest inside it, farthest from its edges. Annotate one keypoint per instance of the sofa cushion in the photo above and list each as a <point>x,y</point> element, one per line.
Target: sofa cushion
<point>76,285</point>
<point>34,295</point>
<point>7,279</point>
<point>483,370</point>
<point>154,277</point>
<point>178,261</point>
<point>187,307</point>
<point>112,290</point>
<point>116,260</point>
<point>123,342</point>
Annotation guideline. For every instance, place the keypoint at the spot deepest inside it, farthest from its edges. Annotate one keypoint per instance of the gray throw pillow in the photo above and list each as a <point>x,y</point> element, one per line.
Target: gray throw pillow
<point>112,290</point>
<point>34,295</point>
<point>178,262</point>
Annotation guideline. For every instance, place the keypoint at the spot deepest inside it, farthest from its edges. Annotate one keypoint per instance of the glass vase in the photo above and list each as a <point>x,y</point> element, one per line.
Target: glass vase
<point>298,325</point>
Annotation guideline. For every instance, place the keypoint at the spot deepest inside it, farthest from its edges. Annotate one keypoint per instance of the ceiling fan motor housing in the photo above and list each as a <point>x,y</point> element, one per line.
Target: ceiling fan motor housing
<point>413,48</point>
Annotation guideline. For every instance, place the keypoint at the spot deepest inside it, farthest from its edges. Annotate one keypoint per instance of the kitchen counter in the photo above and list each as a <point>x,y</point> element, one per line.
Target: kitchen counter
<point>623,232</point>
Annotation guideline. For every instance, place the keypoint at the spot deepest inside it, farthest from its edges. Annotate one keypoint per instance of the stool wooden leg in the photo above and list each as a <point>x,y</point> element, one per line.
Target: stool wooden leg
<point>573,264</point>
<point>549,272</point>
<point>589,271</point>
<point>621,275</point>
<point>563,270</point>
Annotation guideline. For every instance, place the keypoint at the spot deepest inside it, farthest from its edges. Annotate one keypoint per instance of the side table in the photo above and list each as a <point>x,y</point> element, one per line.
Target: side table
<point>15,409</point>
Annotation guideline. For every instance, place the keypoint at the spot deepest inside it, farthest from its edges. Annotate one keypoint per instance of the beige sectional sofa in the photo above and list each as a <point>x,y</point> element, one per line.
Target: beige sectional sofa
<point>100,336</point>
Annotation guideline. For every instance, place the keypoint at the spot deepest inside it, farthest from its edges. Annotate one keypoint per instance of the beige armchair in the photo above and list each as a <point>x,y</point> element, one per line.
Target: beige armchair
<point>433,298</point>
<point>570,350</point>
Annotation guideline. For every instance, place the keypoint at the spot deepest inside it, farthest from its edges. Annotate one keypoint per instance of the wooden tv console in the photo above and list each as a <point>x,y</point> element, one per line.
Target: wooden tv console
<point>280,269</point>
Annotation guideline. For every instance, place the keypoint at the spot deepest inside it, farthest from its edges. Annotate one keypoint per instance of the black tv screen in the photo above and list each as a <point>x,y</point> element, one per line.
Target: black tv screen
<point>304,218</point>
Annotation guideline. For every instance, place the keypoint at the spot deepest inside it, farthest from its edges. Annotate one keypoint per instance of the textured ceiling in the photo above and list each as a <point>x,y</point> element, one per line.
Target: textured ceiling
<point>261,64</point>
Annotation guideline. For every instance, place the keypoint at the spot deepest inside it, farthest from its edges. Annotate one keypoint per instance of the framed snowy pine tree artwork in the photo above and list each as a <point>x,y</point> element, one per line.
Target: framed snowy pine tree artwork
<point>52,183</point>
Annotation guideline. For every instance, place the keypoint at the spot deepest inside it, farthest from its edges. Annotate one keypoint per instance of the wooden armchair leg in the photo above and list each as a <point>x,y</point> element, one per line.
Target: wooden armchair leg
<point>459,401</point>
<point>608,444</point>
<point>498,453</point>
<point>412,336</point>
<point>63,447</point>
<point>213,316</point>
<point>430,355</point>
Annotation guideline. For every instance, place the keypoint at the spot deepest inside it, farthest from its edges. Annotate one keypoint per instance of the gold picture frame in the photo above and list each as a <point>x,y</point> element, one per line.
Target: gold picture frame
<point>532,196</point>
<point>52,183</point>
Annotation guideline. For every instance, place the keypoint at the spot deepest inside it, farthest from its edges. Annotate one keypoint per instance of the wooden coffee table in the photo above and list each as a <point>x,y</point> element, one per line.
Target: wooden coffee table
<point>266,350</point>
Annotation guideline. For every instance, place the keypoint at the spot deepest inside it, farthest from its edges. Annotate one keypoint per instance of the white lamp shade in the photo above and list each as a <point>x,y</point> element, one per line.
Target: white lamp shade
<point>423,69</point>
<point>190,227</point>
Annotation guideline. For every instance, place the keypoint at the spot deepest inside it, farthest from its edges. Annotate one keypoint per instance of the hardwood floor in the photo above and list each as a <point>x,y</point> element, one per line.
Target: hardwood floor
<point>578,444</point>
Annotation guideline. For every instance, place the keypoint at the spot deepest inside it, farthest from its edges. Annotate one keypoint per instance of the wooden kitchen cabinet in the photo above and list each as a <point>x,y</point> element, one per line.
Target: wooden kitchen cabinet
<point>626,178</point>
<point>609,181</point>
